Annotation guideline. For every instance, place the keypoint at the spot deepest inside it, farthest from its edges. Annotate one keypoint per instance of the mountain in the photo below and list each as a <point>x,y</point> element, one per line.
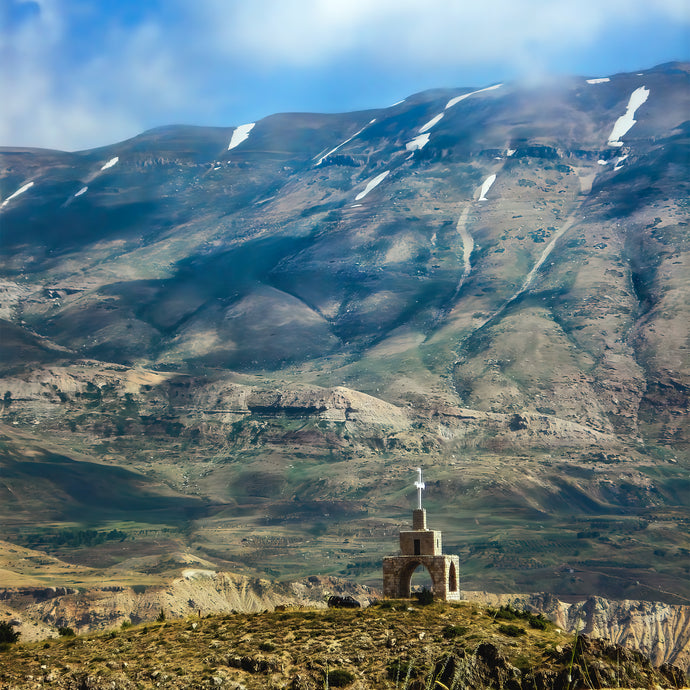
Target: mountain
<point>241,341</point>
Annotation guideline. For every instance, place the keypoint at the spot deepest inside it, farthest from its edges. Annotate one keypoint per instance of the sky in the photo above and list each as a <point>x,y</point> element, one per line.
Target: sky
<point>77,74</point>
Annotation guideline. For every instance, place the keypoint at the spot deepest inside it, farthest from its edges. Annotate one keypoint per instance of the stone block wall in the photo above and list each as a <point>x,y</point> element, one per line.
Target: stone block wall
<point>429,543</point>
<point>444,572</point>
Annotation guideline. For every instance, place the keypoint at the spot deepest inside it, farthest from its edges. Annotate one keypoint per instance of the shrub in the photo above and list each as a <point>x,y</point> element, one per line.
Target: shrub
<point>399,669</point>
<point>339,678</point>
<point>161,616</point>
<point>537,622</point>
<point>425,597</point>
<point>267,647</point>
<point>451,631</point>
<point>66,632</point>
<point>7,633</point>
<point>506,613</point>
<point>511,630</point>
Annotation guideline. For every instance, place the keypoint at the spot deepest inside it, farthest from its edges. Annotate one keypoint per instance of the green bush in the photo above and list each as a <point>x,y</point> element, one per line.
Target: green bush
<point>451,631</point>
<point>511,630</point>
<point>339,678</point>
<point>400,669</point>
<point>537,622</point>
<point>425,597</point>
<point>506,613</point>
<point>267,647</point>
<point>7,633</point>
<point>66,632</point>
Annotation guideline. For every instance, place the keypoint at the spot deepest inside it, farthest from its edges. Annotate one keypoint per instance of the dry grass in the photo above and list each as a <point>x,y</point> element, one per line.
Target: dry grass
<point>385,646</point>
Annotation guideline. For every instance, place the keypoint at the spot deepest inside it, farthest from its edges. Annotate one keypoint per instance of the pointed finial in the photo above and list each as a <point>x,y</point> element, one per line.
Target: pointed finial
<point>420,485</point>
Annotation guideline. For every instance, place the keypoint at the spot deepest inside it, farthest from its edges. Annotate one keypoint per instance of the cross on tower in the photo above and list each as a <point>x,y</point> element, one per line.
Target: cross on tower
<point>420,485</point>
<point>421,546</point>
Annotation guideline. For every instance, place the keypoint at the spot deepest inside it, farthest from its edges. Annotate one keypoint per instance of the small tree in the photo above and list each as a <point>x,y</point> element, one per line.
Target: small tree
<point>425,597</point>
<point>161,616</point>
<point>8,634</point>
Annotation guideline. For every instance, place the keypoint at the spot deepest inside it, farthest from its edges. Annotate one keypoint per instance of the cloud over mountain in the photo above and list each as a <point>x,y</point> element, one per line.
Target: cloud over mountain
<point>77,75</point>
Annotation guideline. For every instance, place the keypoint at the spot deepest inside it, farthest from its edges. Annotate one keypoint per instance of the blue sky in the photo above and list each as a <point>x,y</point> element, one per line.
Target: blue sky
<point>76,74</point>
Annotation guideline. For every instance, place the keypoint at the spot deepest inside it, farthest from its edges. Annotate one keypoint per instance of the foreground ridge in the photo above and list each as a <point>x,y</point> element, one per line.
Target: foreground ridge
<point>392,644</point>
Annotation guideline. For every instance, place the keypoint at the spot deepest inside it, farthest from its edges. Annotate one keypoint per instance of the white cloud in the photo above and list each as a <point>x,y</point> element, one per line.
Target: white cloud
<point>59,96</point>
<point>303,32</point>
<point>74,73</point>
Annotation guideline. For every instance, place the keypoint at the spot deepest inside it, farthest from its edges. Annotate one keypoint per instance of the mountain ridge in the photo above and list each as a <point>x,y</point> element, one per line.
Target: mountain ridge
<point>263,331</point>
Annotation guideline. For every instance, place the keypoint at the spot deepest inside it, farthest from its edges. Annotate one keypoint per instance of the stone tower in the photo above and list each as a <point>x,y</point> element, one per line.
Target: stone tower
<point>421,546</point>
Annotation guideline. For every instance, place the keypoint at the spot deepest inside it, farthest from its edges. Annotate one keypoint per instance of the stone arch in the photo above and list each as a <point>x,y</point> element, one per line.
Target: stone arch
<point>405,579</point>
<point>452,578</point>
<point>397,575</point>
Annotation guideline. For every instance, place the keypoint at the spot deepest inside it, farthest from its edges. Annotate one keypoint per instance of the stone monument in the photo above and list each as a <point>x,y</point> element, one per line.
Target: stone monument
<point>421,546</point>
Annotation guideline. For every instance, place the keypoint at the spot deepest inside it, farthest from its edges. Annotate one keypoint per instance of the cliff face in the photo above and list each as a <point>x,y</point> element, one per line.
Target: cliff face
<point>660,631</point>
<point>39,612</point>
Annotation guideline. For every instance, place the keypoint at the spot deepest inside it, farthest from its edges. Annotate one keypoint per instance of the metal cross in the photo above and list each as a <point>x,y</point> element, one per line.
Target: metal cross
<point>420,485</point>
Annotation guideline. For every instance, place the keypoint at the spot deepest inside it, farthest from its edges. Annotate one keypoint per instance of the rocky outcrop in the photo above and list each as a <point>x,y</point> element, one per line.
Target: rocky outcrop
<point>587,663</point>
<point>660,631</point>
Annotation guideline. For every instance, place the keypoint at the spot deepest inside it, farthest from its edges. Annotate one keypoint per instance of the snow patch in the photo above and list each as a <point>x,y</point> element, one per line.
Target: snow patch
<point>111,162</point>
<point>21,190</point>
<point>347,141</point>
<point>457,99</point>
<point>600,80</point>
<point>371,184</point>
<point>396,103</point>
<point>510,152</point>
<point>627,120</point>
<point>432,123</point>
<point>467,247</point>
<point>486,186</point>
<point>618,165</point>
<point>83,190</point>
<point>418,142</point>
<point>240,134</point>
<point>601,161</point>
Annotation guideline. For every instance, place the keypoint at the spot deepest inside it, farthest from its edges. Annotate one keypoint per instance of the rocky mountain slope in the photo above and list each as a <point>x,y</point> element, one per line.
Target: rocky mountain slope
<point>394,645</point>
<point>241,341</point>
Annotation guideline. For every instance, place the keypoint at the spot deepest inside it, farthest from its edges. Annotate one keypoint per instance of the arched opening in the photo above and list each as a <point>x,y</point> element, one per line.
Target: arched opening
<point>452,578</point>
<point>420,579</point>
